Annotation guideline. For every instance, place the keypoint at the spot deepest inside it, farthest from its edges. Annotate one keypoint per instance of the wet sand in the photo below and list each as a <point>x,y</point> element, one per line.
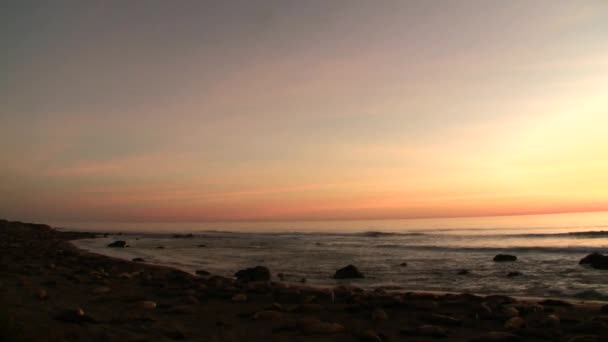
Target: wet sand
<point>51,291</point>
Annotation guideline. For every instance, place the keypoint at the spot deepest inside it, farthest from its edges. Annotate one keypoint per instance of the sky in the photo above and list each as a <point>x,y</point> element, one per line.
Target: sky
<point>194,111</point>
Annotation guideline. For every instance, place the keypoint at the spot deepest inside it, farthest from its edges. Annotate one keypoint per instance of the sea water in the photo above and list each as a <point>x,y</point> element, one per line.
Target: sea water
<point>548,248</point>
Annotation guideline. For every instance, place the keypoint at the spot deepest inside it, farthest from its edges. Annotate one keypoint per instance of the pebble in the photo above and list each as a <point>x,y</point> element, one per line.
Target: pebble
<point>147,304</point>
<point>241,297</point>
<point>515,323</point>
<point>270,315</point>
<point>101,290</point>
<point>42,294</point>
<point>315,326</point>
<point>496,336</point>
<point>379,315</point>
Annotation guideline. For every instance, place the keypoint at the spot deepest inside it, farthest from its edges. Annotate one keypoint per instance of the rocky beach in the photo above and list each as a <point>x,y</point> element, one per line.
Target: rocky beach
<point>52,291</point>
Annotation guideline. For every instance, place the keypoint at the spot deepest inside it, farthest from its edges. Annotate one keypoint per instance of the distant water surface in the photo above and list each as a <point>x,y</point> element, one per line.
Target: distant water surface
<point>548,248</point>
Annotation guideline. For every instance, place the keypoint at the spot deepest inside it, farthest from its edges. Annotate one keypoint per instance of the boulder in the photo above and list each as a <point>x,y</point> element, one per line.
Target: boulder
<point>504,257</point>
<point>118,244</point>
<point>348,272</point>
<point>595,260</point>
<point>258,273</point>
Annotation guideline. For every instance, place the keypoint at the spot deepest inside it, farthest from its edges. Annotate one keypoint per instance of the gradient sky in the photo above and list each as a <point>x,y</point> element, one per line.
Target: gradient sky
<point>280,110</point>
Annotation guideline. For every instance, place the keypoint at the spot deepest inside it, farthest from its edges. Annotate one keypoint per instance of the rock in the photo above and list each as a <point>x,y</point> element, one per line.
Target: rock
<point>431,331</point>
<point>369,336</point>
<point>241,297</point>
<point>270,315</point>
<point>137,260</point>
<point>73,316</point>
<point>147,304</point>
<point>504,257</point>
<point>604,308</point>
<point>514,274</point>
<point>160,247</point>
<point>118,244</point>
<point>201,246</point>
<point>202,273</point>
<point>181,309</point>
<point>514,324</point>
<point>403,264</point>
<point>281,276</point>
<point>584,338</point>
<point>442,320</point>
<point>554,302</point>
<point>463,272</point>
<point>348,272</point>
<point>258,273</point>
<point>101,290</point>
<point>506,312</point>
<point>496,336</point>
<point>42,294</point>
<point>379,315</point>
<point>315,326</point>
<point>303,281</point>
<point>595,260</point>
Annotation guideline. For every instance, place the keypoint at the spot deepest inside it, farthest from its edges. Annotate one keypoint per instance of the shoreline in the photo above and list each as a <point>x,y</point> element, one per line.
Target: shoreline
<point>55,291</point>
<point>388,288</point>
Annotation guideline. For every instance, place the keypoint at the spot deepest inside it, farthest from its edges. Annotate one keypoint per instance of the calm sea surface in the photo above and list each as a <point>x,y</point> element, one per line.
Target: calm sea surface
<point>548,248</point>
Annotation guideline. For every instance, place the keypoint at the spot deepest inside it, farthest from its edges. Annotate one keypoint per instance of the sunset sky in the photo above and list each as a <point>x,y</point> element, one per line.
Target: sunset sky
<point>301,110</point>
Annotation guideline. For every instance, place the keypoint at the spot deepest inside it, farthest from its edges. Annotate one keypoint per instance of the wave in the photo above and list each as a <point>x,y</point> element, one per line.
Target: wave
<point>559,250</point>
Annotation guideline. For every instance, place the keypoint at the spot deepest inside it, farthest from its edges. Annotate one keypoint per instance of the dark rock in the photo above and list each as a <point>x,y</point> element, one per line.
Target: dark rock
<point>258,273</point>
<point>463,272</point>
<point>425,330</point>
<point>138,260</point>
<point>348,272</point>
<point>73,316</point>
<point>496,336</point>
<point>201,246</point>
<point>202,272</point>
<point>160,247</point>
<point>504,257</point>
<point>442,320</point>
<point>605,308</point>
<point>403,264</point>
<point>514,274</point>
<point>118,244</point>
<point>595,260</point>
<point>554,302</point>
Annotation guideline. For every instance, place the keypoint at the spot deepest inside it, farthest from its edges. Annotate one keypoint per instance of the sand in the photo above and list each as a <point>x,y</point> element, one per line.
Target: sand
<point>51,291</point>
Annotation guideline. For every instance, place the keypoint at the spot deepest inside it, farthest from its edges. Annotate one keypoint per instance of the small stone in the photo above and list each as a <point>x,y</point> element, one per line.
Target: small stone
<point>584,338</point>
<point>431,331</point>
<point>403,264</point>
<point>514,324</point>
<point>514,274</point>
<point>555,302</point>
<point>315,326</point>
<point>369,336</point>
<point>182,310</point>
<point>463,272</point>
<point>270,315</point>
<point>504,257</point>
<point>147,304</point>
<point>42,294</point>
<point>240,297</point>
<point>101,290</point>
<point>379,315</point>
<point>496,336</point>
<point>443,320</point>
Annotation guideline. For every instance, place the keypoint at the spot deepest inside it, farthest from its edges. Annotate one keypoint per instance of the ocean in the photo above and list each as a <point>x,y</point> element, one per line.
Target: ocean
<point>548,248</point>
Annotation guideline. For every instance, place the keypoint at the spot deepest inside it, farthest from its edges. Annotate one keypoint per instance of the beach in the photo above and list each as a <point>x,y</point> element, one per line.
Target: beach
<point>51,290</point>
